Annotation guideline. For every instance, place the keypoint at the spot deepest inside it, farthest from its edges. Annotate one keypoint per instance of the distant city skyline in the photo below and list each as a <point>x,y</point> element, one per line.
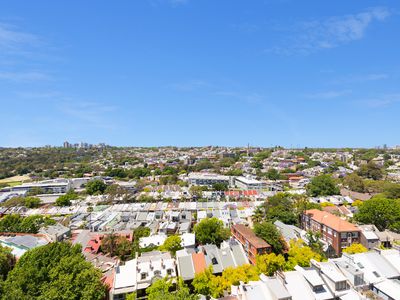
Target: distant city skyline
<point>197,73</point>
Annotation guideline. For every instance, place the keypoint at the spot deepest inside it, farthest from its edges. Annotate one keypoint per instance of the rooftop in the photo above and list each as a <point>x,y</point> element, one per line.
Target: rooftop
<point>331,220</point>
<point>250,236</point>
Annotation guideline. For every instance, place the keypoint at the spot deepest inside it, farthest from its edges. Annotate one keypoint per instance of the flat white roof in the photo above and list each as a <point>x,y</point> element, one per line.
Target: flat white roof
<point>390,288</point>
<point>196,175</point>
<point>125,276</point>
<point>247,180</point>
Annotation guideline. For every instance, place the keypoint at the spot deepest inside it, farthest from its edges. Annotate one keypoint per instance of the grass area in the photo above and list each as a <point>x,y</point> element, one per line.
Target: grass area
<point>18,179</point>
<point>14,183</point>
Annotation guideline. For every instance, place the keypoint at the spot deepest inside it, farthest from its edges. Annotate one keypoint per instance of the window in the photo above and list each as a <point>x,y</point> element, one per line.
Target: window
<point>341,285</point>
<point>214,261</point>
<point>169,271</point>
<point>157,273</point>
<point>143,276</point>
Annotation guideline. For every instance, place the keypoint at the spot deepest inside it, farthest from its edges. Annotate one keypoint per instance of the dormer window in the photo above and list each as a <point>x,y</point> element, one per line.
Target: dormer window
<point>341,285</point>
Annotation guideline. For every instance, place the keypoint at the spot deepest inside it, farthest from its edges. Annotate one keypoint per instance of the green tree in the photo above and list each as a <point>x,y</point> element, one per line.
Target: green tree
<point>256,164</point>
<point>31,224</point>
<point>54,271</point>
<point>172,244</point>
<point>233,276</point>
<point>139,232</point>
<point>380,211</point>
<point>300,254</point>
<point>370,170</point>
<point>65,200</point>
<point>354,183</point>
<point>315,243</point>
<point>109,244</point>
<point>220,186</point>
<point>234,172</point>
<point>164,289</point>
<point>278,207</point>
<point>131,296</point>
<point>204,283</point>
<point>211,231</point>
<point>7,262</point>
<point>391,190</point>
<point>323,185</point>
<point>273,174</point>
<point>355,248</point>
<point>124,248</point>
<point>268,232</point>
<point>32,202</point>
<point>270,263</point>
<point>95,187</point>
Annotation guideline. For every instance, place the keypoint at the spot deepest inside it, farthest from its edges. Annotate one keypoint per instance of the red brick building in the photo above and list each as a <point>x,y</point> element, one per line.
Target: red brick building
<point>252,244</point>
<point>334,230</point>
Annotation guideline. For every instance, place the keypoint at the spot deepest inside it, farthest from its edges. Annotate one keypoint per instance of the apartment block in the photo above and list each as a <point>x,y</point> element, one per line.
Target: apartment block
<point>338,233</point>
<point>252,244</point>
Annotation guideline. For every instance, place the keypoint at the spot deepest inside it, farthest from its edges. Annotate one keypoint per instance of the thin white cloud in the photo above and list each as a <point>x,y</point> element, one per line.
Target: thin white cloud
<point>382,101</point>
<point>12,39</point>
<point>188,86</point>
<point>252,98</point>
<point>24,76</point>
<point>91,113</point>
<point>38,94</point>
<point>361,78</point>
<point>315,35</point>
<point>328,94</point>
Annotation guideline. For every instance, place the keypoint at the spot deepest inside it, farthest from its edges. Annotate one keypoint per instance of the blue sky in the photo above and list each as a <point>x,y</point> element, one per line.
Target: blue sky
<point>200,72</point>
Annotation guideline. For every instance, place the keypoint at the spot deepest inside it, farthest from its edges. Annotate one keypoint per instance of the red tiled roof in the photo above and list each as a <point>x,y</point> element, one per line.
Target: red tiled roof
<point>249,235</point>
<point>199,262</point>
<point>331,221</point>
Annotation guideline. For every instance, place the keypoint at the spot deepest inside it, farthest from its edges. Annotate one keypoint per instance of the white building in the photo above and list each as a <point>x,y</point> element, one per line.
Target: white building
<point>139,274</point>
<point>247,183</point>
<point>208,179</point>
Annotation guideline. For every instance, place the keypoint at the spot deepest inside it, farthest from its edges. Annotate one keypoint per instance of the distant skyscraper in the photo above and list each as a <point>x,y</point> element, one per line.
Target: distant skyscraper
<point>67,145</point>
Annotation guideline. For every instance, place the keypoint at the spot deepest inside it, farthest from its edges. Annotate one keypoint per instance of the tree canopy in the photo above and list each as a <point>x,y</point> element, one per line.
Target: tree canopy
<point>211,231</point>
<point>354,182</point>
<point>278,207</point>
<point>268,232</point>
<point>355,248</point>
<point>55,271</point>
<point>65,200</point>
<point>172,244</point>
<point>30,224</point>
<point>95,187</point>
<point>370,170</point>
<point>270,263</point>
<point>206,283</point>
<point>384,213</point>
<point>323,185</point>
<point>165,289</point>
<point>7,261</point>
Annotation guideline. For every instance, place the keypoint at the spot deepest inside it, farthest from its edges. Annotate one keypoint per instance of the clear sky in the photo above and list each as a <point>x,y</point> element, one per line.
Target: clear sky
<point>200,72</point>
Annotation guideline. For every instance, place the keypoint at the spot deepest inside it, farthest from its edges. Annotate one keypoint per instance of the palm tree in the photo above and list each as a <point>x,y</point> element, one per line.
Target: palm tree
<point>109,244</point>
<point>259,214</point>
